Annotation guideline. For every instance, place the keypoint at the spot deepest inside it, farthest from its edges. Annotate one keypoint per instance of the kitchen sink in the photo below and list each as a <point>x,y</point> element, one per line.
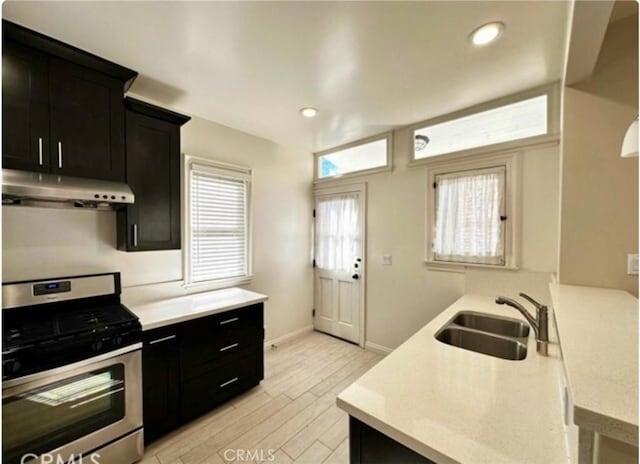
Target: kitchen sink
<point>485,343</point>
<point>493,324</point>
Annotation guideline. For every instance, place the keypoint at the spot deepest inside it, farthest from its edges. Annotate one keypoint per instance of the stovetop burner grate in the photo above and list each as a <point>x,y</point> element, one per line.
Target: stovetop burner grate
<point>26,327</point>
<point>21,332</point>
<point>55,322</point>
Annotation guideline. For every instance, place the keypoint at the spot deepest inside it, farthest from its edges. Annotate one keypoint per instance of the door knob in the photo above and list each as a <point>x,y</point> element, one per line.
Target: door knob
<point>355,276</point>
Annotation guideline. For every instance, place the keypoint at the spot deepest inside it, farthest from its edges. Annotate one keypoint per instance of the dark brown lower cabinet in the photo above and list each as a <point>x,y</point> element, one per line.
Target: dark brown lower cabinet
<point>161,397</point>
<point>369,446</point>
<point>192,367</point>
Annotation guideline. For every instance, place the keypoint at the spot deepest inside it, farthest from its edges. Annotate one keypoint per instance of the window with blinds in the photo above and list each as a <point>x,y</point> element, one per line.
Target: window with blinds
<point>218,248</point>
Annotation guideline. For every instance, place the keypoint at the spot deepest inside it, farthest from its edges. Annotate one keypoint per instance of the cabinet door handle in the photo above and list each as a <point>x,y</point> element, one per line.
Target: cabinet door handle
<point>163,339</point>
<point>233,380</point>
<point>40,151</point>
<point>59,155</point>
<point>135,235</point>
<point>229,321</point>
<point>228,347</point>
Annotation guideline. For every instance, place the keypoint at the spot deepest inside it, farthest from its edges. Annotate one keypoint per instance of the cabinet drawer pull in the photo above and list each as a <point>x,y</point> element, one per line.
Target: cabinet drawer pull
<point>40,151</point>
<point>59,155</point>
<point>229,347</point>
<point>135,235</point>
<point>163,339</point>
<point>229,382</point>
<point>228,321</point>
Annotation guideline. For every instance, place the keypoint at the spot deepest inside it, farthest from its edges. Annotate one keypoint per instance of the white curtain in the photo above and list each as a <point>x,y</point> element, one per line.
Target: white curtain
<point>337,232</point>
<point>468,227</point>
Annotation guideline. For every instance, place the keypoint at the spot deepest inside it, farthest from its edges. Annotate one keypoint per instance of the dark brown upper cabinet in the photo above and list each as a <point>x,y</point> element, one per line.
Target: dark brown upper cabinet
<point>87,122</point>
<point>62,107</point>
<point>25,108</point>
<point>153,173</point>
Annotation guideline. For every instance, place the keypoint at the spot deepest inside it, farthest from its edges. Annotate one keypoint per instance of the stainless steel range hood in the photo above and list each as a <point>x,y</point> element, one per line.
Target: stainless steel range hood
<point>50,190</point>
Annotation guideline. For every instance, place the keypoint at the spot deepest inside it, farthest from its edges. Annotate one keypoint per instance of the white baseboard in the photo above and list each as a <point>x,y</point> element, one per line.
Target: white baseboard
<point>289,336</point>
<point>380,349</point>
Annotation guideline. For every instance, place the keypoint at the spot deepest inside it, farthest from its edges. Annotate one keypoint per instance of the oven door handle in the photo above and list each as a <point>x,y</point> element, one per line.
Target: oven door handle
<point>95,398</point>
<point>9,384</point>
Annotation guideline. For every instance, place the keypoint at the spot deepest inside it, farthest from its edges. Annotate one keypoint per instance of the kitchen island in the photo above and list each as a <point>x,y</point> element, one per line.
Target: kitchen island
<point>598,330</point>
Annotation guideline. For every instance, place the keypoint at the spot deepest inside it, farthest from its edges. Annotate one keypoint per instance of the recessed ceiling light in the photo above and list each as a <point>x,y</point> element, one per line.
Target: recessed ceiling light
<point>309,112</point>
<point>487,33</point>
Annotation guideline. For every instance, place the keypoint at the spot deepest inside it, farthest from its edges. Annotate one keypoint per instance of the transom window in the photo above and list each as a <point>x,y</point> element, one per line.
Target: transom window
<point>218,242</point>
<point>364,156</point>
<point>522,119</point>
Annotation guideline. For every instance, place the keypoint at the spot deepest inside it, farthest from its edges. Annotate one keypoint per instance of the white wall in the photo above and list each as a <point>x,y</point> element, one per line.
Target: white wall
<point>599,188</point>
<point>400,298</point>
<point>41,243</point>
<point>403,297</point>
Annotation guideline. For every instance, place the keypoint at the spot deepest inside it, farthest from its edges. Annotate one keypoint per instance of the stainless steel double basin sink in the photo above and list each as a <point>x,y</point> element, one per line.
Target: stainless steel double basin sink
<point>496,336</point>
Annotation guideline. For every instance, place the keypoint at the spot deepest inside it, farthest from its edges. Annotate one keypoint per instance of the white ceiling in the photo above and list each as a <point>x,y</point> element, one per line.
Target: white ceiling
<point>367,66</point>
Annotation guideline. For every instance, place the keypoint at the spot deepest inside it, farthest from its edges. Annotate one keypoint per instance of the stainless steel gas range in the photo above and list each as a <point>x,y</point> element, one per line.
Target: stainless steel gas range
<point>71,373</point>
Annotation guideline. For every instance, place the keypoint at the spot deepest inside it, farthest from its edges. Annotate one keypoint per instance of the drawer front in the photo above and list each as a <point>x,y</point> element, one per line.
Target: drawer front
<point>201,393</point>
<point>201,354</point>
<point>220,338</point>
<point>227,322</point>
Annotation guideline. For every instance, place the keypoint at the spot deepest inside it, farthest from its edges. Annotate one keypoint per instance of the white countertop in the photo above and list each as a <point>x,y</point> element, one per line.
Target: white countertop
<point>456,406</point>
<point>184,308</point>
<point>598,331</point>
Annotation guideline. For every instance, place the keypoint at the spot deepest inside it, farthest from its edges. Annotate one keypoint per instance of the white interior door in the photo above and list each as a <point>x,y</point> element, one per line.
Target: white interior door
<point>339,262</point>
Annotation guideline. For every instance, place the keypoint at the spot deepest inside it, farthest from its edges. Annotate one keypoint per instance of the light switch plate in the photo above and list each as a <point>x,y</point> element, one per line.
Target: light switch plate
<point>632,264</point>
<point>387,260</point>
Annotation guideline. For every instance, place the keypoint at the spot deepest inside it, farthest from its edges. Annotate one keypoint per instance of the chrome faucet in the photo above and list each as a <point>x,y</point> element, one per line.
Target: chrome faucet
<point>540,323</point>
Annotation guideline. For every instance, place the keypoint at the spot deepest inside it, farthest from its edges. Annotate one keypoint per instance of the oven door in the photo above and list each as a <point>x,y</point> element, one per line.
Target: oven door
<point>72,410</point>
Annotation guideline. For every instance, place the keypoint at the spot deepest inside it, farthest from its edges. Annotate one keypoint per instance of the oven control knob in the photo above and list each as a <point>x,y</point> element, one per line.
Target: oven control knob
<point>117,340</point>
<point>97,345</point>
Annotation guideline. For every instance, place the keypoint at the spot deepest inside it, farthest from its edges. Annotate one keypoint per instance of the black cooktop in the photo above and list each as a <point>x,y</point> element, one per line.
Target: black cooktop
<point>54,321</point>
<point>42,336</point>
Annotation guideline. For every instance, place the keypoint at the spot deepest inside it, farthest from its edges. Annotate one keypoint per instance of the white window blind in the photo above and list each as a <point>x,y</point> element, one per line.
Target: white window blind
<point>219,224</point>
<point>469,223</point>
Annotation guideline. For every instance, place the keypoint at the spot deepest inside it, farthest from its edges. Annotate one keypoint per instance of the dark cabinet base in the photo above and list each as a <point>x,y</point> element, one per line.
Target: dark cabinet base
<point>368,446</point>
<point>161,396</point>
<point>192,367</point>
